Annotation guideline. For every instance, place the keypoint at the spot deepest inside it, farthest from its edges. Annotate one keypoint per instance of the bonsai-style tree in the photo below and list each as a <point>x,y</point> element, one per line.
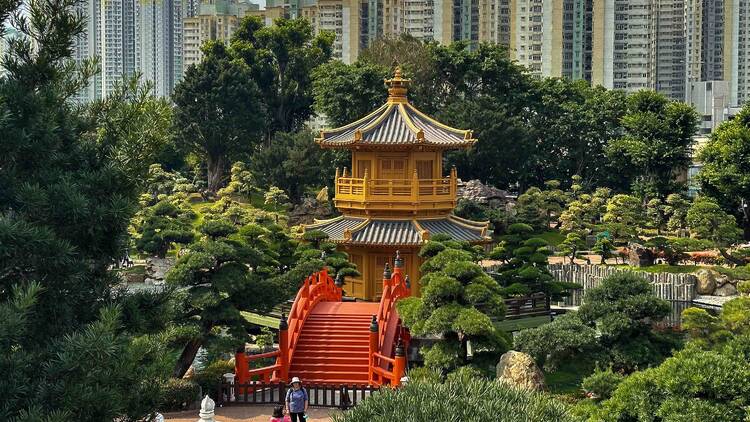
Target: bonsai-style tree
<point>458,303</point>
<point>624,216</point>
<point>164,223</point>
<point>603,246</point>
<point>622,309</point>
<point>585,212</point>
<point>676,208</point>
<point>227,271</point>
<point>707,220</point>
<point>572,246</point>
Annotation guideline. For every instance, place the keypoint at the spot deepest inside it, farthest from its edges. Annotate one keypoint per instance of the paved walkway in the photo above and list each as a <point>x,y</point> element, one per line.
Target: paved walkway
<point>246,414</point>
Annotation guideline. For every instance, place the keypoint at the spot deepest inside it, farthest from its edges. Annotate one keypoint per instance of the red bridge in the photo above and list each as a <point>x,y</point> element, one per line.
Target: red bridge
<point>329,342</point>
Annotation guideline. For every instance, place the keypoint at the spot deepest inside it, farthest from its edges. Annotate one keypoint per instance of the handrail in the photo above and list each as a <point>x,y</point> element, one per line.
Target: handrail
<point>386,332</point>
<point>318,287</point>
<point>405,190</point>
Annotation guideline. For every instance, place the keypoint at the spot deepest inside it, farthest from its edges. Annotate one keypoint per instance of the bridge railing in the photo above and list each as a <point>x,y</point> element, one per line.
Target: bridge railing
<point>318,287</point>
<point>388,338</point>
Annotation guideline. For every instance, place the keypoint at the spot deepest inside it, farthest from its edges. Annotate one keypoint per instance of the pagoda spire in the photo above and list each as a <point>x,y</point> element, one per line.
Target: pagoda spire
<point>397,87</point>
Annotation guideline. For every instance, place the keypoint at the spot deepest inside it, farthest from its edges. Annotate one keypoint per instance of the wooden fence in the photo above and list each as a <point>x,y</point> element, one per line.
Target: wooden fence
<point>333,396</point>
<point>672,287</point>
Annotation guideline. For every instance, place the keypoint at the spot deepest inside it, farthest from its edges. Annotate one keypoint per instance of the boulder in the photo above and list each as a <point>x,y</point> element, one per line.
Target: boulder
<point>157,269</point>
<point>476,191</point>
<point>727,289</point>
<point>308,210</point>
<point>519,370</point>
<point>706,281</point>
<point>638,256</point>
<point>722,280</point>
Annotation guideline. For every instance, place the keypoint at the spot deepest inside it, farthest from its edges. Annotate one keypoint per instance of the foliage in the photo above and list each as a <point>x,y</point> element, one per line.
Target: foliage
<point>524,269</point>
<point>692,385</point>
<point>725,169</point>
<point>603,246</point>
<point>623,217</point>
<point>623,308</point>
<point>656,142</point>
<point>707,220</point>
<point>572,247</point>
<point>602,383</point>
<point>460,400</point>
<point>163,224</point>
<point>457,301</point>
<point>218,114</point>
<point>346,93</point>
<point>282,58</point>
<point>586,211</point>
<point>276,197</point>
<point>241,181</point>
<point>65,202</point>
<point>676,208</point>
<point>179,393</point>
<point>211,375</point>
<point>565,338</point>
<point>295,164</point>
<point>226,271</point>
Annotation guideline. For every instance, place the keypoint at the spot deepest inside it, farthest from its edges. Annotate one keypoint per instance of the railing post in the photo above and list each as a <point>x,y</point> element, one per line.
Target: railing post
<point>386,278</point>
<point>415,186</point>
<point>241,366</point>
<point>283,348</point>
<point>398,263</point>
<point>453,182</point>
<point>365,183</point>
<point>373,348</point>
<point>399,367</point>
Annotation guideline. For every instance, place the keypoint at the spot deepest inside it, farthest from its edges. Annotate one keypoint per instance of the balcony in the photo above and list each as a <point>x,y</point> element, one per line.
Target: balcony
<point>383,197</point>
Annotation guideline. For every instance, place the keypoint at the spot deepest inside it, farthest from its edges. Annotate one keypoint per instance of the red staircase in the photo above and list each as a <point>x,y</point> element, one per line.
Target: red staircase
<point>329,342</point>
<point>334,345</point>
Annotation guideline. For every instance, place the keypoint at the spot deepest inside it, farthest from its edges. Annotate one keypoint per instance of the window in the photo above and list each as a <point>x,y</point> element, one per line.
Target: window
<point>363,165</point>
<point>424,169</point>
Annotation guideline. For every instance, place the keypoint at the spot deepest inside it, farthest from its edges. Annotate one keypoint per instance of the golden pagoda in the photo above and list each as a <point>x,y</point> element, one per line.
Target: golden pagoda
<point>395,195</point>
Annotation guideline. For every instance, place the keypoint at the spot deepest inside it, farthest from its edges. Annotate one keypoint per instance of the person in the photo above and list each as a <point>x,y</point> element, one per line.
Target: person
<point>297,401</point>
<point>279,416</point>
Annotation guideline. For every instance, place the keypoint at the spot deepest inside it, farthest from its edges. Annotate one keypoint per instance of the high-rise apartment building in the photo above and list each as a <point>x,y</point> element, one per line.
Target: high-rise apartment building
<point>216,20</point>
<point>737,49</point>
<point>640,44</point>
<point>342,17</point>
<point>159,43</point>
<point>116,38</point>
<point>552,38</point>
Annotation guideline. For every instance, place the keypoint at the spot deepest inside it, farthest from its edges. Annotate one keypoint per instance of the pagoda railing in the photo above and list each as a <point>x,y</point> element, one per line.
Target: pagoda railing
<point>414,190</point>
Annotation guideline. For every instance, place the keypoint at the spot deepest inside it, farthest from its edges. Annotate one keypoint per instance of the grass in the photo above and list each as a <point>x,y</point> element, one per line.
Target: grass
<point>553,237</point>
<point>662,268</point>
<point>567,379</point>
<point>510,325</point>
<point>134,270</point>
<point>261,320</point>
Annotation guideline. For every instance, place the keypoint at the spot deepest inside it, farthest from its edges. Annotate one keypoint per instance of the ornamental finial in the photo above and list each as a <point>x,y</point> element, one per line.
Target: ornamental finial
<point>397,87</point>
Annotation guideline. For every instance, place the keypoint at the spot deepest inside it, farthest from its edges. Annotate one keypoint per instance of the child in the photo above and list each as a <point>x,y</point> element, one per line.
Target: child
<point>279,416</point>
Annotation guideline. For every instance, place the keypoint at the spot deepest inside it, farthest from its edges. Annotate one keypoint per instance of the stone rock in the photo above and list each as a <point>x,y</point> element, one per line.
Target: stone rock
<point>474,190</point>
<point>727,289</point>
<point>638,256</point>
<point>722,280</point>
<point>135,278</point>
<point>519,369</point>
<point>309,210</point>
<point>706,281</point>
<point>157,268</point>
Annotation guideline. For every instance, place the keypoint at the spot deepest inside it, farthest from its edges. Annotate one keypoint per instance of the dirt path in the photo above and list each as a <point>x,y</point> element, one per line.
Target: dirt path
<point>246,414</point>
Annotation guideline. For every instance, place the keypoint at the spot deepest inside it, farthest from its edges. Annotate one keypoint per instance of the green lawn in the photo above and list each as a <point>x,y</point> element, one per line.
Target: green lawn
<point>567,379</point>
<point>553,237</point>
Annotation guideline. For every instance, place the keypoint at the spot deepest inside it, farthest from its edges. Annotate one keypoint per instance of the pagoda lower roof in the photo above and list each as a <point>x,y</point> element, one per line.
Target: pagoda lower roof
<point>404,232</point>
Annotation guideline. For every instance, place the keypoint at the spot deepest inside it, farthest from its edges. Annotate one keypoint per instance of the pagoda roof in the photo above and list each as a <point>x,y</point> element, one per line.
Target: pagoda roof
<point>396,124</point>
<point>403,232</point>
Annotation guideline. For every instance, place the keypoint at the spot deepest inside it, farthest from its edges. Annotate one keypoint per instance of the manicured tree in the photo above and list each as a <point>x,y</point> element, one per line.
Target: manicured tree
<point>164,224</point>
<point>458,302</point>
<point>586,211</point>
<point>676,208</point>
<point>603,246</point>
<point>624,216</point>
<point>551,345</point>
<point>241,181</point>
<point>572,246</point>
<point>227,271</point>
<point>276,197</point>
<point>524,269</point>
<point>554,201</point>
<point>622,309</point>
<point>707,220</point>
<point>531,209</point>
<point>656,214</point>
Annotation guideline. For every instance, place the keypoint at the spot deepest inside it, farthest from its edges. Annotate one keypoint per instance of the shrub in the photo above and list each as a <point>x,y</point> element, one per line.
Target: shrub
<point>551,344</point>
<point>180,393</point>
<point>210,377</point>
<point>744,287</point>
<point>457,400</point>
<point>601,384</point>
